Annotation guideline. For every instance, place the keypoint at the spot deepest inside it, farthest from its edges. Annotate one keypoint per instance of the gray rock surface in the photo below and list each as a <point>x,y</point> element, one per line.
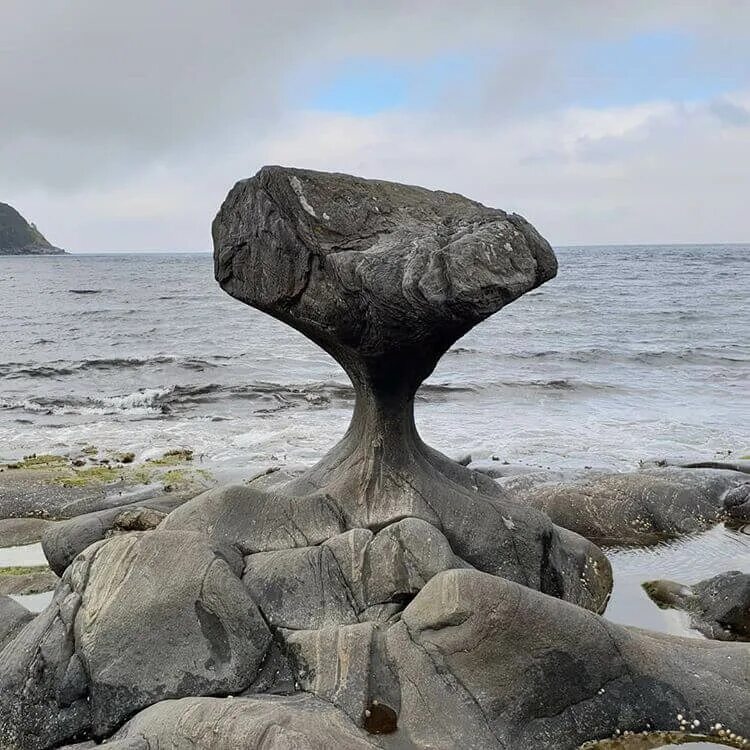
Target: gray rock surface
<point>297,722</point>
<point>524,670</point>
<point>638,507</point>
<point>137,618</point>
<point>13,616</point>
<point>352,577</point>
<point>63,540</point>
<point>737,504</point>
<point>719,607</point>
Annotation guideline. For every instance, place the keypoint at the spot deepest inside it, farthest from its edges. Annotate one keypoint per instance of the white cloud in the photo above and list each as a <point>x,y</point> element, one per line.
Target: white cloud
<point>124,125</point>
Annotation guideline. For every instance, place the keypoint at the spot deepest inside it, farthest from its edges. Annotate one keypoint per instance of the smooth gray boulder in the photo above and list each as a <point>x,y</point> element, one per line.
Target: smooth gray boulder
<point>641,507</point>
<point>486,663</point>
<point>64,540</point>
<point>385,277</point>
<point>138,618</point>
<point>719,607</point>
<point>297,722</point>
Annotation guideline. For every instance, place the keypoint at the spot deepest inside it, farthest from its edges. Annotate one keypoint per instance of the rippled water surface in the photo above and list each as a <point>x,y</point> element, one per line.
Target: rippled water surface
<point>629,352</point>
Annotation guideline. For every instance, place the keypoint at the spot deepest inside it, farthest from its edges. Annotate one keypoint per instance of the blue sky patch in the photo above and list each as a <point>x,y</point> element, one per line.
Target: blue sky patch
<point>366,86</point>
<point>653,66</point>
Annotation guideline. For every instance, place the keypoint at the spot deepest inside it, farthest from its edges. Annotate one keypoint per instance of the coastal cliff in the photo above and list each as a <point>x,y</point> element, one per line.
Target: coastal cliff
<point>19,237</point>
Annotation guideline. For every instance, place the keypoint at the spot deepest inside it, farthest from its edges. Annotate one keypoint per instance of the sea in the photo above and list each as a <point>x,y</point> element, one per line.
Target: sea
<point>631,353</point>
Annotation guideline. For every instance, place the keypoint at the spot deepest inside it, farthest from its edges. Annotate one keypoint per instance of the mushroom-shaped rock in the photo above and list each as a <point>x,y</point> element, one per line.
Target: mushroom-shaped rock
<point>137,618</point>
<point>719,607</point>
<point>385,277</point>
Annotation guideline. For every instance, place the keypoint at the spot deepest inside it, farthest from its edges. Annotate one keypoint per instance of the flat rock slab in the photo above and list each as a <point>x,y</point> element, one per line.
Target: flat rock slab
<point>21,531</point>
<point>32,582</point>
<point>641,507</point>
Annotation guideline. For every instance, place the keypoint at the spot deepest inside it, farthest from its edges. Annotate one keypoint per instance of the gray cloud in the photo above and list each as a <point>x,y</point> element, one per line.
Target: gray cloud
<point>123,124</point>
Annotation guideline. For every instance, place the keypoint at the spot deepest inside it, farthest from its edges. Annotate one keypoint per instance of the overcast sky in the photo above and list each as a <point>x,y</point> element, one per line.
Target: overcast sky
<point>124,124</point>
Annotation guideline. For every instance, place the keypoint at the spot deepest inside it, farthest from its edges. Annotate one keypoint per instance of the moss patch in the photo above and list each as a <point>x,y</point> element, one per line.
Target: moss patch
<point>91,475</point>
<point>45,461</point>
<point>172,458</point>
<point>23,570</point>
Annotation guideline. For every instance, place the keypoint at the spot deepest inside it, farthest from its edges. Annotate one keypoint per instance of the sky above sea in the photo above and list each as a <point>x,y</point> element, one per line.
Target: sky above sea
<point>124,125</point>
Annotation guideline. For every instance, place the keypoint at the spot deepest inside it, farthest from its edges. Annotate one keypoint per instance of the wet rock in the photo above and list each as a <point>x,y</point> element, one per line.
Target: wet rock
<point>138,618</point>
<point>737,504</point>
<point>719,607</point>
<point>698,461</point>
<point>297,722</point>
<point>639,507</point>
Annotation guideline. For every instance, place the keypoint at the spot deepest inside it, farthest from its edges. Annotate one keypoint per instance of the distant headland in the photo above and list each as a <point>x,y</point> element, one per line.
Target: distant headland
<point>19,237</point>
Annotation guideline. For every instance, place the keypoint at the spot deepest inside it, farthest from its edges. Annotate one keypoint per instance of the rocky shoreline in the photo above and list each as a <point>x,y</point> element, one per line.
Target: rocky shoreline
<point>389,596</point>
<point>19,237</point>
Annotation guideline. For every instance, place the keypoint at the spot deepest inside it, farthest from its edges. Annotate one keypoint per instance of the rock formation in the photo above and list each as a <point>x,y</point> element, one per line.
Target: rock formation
<point>385,277</point>
<point>719,607</point>
<point>18,237</point>
<point>642,507</point>
<point>388,597</point>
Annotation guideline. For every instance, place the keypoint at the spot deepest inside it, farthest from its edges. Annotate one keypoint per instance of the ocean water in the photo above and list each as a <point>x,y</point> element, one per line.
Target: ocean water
<point>631,352</point>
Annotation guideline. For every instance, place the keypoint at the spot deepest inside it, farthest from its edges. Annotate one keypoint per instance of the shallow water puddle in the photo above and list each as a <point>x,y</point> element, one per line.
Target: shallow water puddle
<point>22,556</point>
<point>687,560</point>
<point>34,602</point>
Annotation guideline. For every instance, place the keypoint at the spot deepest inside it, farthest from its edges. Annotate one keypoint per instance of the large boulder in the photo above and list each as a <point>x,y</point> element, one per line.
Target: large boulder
<point>641,507</point>
<point>137,619</point>
<point>486,663</point>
